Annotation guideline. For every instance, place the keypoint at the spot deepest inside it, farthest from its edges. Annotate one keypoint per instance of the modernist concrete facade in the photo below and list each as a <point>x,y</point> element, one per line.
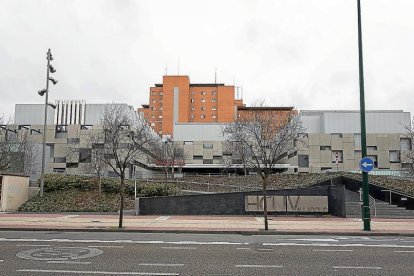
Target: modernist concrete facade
<point>333,141</point>
<point>67,134</point>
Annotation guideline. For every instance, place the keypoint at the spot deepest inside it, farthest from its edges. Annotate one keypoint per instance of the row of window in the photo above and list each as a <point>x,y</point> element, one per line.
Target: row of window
<point>203,116</point>
<point>213,93</point>
<point>203,108</point>
<point>204,100</point>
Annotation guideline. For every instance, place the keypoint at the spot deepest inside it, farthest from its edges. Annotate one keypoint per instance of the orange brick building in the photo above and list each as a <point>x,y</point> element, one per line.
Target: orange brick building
<point>178,100</point>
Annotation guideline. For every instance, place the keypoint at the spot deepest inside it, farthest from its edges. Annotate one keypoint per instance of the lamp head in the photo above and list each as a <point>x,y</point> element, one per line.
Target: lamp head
<point>53,80</point>
<point>42,92</point>
<point>51,69</point>
<point>52,105</point>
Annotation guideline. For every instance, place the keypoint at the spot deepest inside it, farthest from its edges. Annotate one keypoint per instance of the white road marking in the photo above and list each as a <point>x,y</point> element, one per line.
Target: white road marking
<point>34,245</point>
<point>243,248</point>
<point>146,264</point>
<point>93,272</point>
<point>357,267</point>
<point>262,266</point>
<point>264,249</point>
<point>333,250</point>
<point>314,240</point>
<point>124,241</point>
<point>67,262</point>
<point>404,251</point>
<point>1,260</point>
<point>179,248</point>
<point>106,246</point>
<point>338,245</point>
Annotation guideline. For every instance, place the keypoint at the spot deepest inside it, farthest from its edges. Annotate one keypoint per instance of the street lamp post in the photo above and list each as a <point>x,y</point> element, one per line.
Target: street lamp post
<point>45,92</point>
<point>366,214</point>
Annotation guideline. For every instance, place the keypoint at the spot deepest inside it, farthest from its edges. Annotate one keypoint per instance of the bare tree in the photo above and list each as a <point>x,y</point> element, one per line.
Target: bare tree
<point>126,135</point>
<point>408,148</point>
<point>18,152</point>
<point>263,139</point>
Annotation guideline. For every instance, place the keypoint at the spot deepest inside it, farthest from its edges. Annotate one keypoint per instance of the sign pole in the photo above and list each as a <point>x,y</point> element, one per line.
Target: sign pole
<point>366,214</point>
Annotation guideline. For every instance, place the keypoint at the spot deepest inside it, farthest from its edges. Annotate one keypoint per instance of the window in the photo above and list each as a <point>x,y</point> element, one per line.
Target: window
<point>153,93</point>
<point>213,100</point>
<point>213,116</point>
<point>72,165</point>
<point>301,135</point>
<point>188,142</point>
<point>213,93</point>
<point>202,116</point>
<point>152,108</point>
<point>394,156</point>
<point>207,146</point>
<point>197,157</point>
<point>203,100</point>
<point>193,107</point>
<point>60,159</point>
<point>208,161</point>
<point>203,92</point>
<point>152,124</point>
<point>213,108</point>
<point>371,147</point>
<point>160,108</point>
<point>337,155</point>
<point>325,148</point>
<point>85,155</point>
<point>192,100</point>
<point>154,101</point>
<point>192,116</point>
<point>303,161</point>
<point>203,108</point>
<point>161,93</point>
<point>192,92</point>
<point>217,157</point>
<point>160,117</point>
<point>374,158</point>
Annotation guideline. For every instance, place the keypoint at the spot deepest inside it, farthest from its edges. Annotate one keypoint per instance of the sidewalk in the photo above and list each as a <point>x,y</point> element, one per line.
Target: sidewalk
<point>204,224</point>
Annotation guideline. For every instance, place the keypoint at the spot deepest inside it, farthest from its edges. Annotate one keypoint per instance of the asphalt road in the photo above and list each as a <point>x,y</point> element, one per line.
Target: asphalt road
<point>88,253</point>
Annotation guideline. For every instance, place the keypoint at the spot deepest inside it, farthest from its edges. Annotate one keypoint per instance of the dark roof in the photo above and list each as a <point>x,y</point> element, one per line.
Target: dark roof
<point>158,85</point>
<point>265,108</point>
<point>145,105</point>
<point>206,84</point>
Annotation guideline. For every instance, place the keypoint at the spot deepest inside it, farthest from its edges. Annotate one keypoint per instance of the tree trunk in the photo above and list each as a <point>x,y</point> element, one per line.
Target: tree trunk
<point>100,184</point>
<point>266,225</point>
<point>121,193</point>
<point>166,179</point>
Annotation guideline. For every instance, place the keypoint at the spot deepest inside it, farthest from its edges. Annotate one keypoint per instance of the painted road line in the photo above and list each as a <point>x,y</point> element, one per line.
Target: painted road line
<point>1,260</point>
<point>106,246</point>
<point>243,248</point>
<point>264,249</point>
<point>93,272</point>
<point>259,266</point>
<point>338,245</point>
<point>67,262</point>
<point>333,250</point>
<point>401,251</point>
<point>179,248</point>
<point>33,245</point>
<point>357,267</point>
<point>148,264</point>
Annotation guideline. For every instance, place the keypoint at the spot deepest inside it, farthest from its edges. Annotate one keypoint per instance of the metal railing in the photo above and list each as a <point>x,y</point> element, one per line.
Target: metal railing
<point>372,202</point>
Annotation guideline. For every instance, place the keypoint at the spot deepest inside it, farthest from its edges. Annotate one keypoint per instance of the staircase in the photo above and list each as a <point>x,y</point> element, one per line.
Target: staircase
<point>379,209</point>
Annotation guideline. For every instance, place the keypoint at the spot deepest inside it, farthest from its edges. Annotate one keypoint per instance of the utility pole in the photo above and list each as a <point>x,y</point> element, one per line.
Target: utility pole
<point>365,211</point>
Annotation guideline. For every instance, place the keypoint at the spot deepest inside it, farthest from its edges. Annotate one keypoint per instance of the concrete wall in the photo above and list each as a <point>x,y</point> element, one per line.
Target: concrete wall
<point>14,192</point>
<point>234,203</point>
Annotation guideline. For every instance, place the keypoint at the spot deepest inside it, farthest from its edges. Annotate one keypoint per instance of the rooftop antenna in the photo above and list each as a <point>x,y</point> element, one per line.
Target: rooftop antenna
<point>215,75</point>
<point>178,67</point>
<point>166,69</point>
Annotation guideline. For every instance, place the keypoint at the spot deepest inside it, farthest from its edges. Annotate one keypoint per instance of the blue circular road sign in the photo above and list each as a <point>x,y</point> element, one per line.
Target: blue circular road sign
<point>366,164</point>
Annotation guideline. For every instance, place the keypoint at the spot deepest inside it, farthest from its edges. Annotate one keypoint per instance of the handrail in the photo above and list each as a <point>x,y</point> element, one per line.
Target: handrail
<point>372,201</point>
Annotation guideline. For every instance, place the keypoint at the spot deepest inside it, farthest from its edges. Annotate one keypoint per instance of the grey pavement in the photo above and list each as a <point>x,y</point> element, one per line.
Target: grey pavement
<point>204,224</point>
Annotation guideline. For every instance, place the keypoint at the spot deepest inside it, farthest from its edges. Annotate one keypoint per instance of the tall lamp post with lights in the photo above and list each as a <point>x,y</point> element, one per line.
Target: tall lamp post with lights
<point>366,213</point>
<point>45,92</point>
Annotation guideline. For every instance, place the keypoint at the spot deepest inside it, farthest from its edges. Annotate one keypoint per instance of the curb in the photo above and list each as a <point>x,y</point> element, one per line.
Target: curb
<point>229,232</point>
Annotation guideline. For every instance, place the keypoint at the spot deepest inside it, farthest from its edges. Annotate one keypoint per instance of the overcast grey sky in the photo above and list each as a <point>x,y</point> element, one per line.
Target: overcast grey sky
<point>298,52</point>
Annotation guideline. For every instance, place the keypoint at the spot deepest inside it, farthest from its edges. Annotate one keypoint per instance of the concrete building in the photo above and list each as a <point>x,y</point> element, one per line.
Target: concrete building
<point>68,128</point>
<point>332,140</point>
